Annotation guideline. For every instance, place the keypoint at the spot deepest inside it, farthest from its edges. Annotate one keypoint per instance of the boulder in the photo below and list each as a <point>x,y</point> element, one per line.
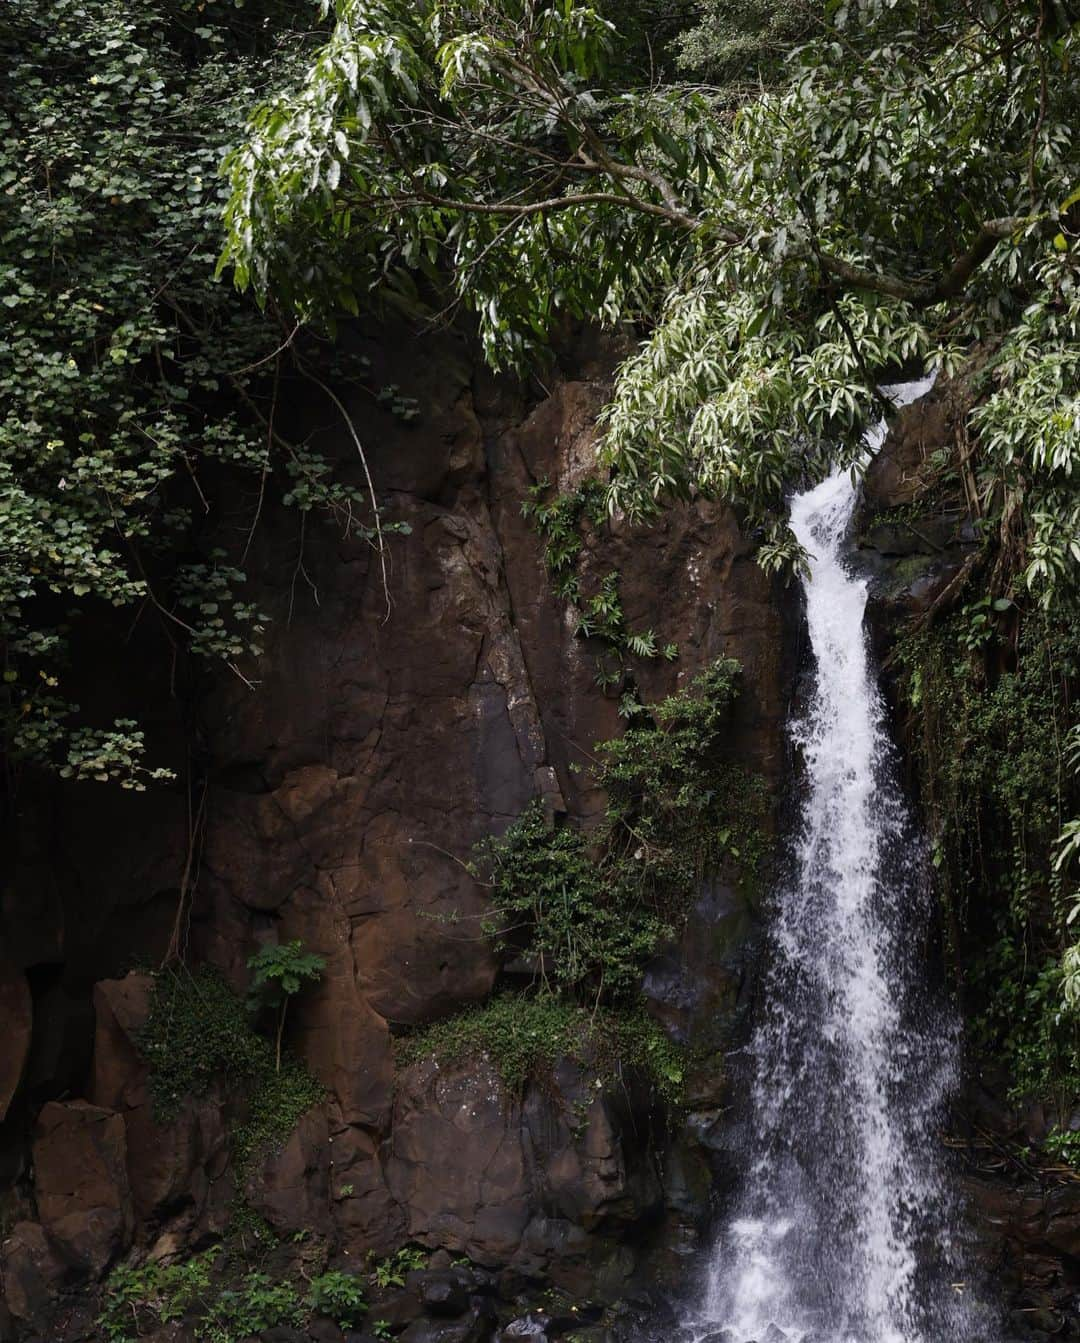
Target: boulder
<point>289,1187</point>
<point>475,1327</point>
<point>172,1165</point>
<point>365,1214</point>
<point>898,472</point>
<point>121,1007</point>
<point>528,1326</point>
<point>442,1292</point>
<point>480,1202</point>
<point>32,1274</point>
<point>17,1016</point>
<point>81,1182</point>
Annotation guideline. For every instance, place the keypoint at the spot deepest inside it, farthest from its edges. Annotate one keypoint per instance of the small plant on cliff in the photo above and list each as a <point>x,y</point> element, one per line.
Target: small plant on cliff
<point>391,1271</point>
<point>600,613</point>
<point>278,973</point>
<point>589,908</point>
<point>339,1296</point>
<point>154,1295</point>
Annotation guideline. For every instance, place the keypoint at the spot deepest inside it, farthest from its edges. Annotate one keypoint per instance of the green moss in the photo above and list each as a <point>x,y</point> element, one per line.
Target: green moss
<point>523,1037</point>
<point>199,1031</point>
<point>280,1099</point>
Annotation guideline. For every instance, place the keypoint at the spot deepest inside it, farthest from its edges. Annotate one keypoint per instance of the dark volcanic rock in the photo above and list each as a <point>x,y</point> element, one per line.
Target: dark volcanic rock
<point>473,1328</point>
<point>81,1184</point>
<point>341,800</point>
<point>16,1013</point>
<point>442,1291</point>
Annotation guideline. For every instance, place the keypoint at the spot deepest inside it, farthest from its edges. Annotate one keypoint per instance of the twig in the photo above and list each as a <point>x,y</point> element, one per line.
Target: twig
<point>381,544</point>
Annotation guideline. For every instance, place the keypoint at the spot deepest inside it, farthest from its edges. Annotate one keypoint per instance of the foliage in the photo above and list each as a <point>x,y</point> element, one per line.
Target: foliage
<point>742,44</point>
<point>391,1270</point>
<point>254,1305</point>
<point>589,908</point>
<point>524,1036</point>
<point>197,1032</point>
<point>275,1106</point>
<point>129,379</point>
<point>153,1295</point>
<point>904,190</point>
<point>219,1304</point>
<point>1065,1145</point>
<point>339,1296</point>
<point>558,520</point>
<point>988,747</point>
<point>278,972</point>
<point>600,615</point>
<point>990,694</point>
<point>1022,1021</point>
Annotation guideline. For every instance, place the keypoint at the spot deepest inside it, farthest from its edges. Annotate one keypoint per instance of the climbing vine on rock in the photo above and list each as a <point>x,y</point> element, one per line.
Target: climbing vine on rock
<point>559,520</point>
<point>588,908</point>
<point>199,1033</point>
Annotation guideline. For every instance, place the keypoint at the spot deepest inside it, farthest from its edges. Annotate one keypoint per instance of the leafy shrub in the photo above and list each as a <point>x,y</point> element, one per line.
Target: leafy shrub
<point>219,1305</point>
<point>153,1295</point>
<point>590,908</point>
<point>524,1036</point>
<point>391,1271</point>
<point>255,1305</point>
<point>338,1295</point>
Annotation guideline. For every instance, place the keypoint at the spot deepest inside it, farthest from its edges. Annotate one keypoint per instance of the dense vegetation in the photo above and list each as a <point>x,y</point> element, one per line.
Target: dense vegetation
<point>788,203</point>
<point>129,378</point>
<point>898,187</point>
<point>227,1294</point>
<point>199,1034</point>
<point>590,907</point>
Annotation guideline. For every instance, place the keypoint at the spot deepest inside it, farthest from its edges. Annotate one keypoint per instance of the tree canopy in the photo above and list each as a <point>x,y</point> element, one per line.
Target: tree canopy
<point>901,188</point>
<point>127,374</point>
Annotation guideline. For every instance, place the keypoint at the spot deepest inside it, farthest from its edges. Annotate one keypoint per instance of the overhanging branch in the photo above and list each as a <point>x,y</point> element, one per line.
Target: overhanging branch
<point>949,285</point>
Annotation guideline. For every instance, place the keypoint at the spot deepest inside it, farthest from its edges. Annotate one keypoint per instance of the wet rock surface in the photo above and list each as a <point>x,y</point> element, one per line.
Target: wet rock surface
<point>340,801</point>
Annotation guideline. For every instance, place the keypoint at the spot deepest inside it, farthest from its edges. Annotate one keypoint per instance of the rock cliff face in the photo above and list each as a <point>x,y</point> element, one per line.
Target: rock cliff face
<point>390,731</point>
<point>336,804</point>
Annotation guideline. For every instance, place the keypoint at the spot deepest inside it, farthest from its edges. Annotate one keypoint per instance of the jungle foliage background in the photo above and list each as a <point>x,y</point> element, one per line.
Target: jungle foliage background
<point>785,204</point>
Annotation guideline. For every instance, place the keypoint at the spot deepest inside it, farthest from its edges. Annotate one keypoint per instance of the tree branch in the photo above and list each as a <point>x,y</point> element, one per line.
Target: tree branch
<point>688,222</point>
<point>949,285</point>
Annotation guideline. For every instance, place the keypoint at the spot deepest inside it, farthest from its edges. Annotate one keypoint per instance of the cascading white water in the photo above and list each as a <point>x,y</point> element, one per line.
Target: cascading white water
<point>841,1233</point>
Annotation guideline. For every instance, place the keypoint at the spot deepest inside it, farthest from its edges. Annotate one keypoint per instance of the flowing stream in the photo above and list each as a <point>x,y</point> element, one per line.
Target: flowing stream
<point>842,1230</point>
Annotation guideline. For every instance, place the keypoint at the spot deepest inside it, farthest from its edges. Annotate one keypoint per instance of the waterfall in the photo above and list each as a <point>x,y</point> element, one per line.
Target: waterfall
<point>842,1230</point>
